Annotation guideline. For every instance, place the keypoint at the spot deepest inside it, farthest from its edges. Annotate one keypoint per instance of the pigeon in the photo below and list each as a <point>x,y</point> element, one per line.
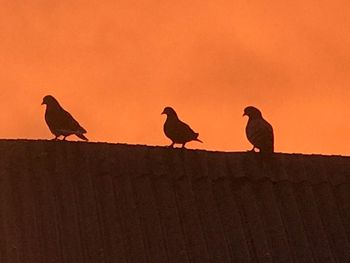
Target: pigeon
<point>61,122</point>
<point>176,130</point>
<point>259,132</point>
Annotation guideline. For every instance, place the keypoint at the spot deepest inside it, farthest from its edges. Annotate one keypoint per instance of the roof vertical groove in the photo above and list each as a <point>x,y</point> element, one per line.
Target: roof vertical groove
<point>70,214</point>
<point>130,222</point>
<point>342,194</point>
<point>272,220</point>
<point>254,223</point>
<point>45,211</point>
<point>112,246</point>
<point>231,221</point>
<point>213,231</point>
<point>331,222</point>
<point>192,227</point>
<point>312,222</point>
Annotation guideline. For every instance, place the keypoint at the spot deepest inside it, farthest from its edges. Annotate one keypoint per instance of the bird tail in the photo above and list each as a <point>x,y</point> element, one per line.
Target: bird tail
<point>196,139</point>
<point>81,136</point>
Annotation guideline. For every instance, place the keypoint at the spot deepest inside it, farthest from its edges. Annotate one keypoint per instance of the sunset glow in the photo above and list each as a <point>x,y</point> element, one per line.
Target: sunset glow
<point>114,65</point>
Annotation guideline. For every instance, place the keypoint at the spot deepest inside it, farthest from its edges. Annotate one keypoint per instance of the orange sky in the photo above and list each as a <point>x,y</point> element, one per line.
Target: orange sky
<point>115,65</point>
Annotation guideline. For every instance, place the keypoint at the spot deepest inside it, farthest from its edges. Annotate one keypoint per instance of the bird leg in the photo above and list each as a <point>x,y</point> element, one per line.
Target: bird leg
<point>55,139</point>
<point>183,145</point>
<point>171,145</point>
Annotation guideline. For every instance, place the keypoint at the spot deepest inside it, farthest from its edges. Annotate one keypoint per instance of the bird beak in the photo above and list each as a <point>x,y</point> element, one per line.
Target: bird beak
<point>244,115</point>
<point>42,103</point>
<point>162,113</point>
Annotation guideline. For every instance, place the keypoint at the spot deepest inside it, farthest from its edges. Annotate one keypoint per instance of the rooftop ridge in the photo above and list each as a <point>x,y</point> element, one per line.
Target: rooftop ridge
<point>121,144</point>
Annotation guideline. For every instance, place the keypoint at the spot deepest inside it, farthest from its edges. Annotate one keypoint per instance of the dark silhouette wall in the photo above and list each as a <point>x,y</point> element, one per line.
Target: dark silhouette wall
<point>96,202</point>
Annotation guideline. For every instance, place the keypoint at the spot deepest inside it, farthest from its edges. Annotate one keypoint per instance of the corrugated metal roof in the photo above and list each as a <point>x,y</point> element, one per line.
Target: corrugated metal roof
<point>96,202</point>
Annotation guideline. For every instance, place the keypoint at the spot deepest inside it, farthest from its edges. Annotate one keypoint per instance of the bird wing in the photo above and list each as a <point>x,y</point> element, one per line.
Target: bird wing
<point>62,121</point>
<point>71,123</point>
<point>186,130</point>
<point>260,134</point>
<point>179,131</point>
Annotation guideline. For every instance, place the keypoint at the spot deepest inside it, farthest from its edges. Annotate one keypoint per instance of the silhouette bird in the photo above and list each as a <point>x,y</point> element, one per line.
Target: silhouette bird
<point>61,122</point>
<point>176,130</point>
<point>259,132</point>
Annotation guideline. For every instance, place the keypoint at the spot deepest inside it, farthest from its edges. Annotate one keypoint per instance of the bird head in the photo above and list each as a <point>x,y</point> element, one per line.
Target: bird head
<point>252,112</point>
<point>170,112</point>
<point>49,100</point>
